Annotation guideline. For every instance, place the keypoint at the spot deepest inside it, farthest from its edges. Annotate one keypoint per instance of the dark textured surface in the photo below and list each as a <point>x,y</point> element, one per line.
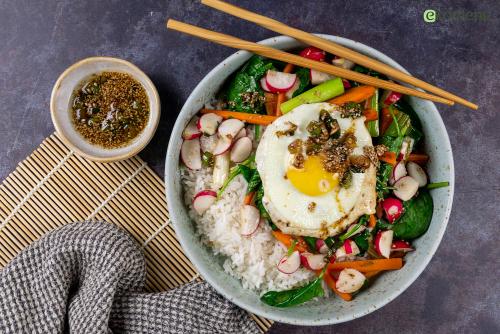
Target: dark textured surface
<point>459,290</point>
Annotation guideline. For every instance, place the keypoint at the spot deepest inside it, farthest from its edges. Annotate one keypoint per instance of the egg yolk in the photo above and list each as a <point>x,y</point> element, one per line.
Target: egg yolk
<point>312,180</point>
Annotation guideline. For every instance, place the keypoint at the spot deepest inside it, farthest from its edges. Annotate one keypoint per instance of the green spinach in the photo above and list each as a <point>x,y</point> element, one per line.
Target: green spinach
<point>416,219</point>
<point>304,77</point>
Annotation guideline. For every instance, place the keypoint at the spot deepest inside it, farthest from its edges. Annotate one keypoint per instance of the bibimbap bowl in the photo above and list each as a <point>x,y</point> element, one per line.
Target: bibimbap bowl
<point>321,311</point>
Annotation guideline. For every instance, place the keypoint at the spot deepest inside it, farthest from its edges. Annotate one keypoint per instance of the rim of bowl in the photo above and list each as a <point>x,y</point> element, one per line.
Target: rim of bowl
<point>170,169</point>
<point>146,136</point>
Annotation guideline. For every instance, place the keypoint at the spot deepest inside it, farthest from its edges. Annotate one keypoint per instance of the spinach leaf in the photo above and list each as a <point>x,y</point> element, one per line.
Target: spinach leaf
<point>362,240</point>
<point>258,203</point>
<point>295,296</point>
<point>304,79</point>
<point>254,182</point>
<point>311,243</point>
<point>416,219</point>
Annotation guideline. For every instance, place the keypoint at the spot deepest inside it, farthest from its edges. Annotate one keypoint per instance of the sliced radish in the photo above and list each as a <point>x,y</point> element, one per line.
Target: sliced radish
<point>208,123</point>
<point>191,154</point>
<point>347,247</point>
<point>221,170</point>
<point>346,83</point>
<point>191,131</point>
<point>280,82</point>
<point>230,128</point>
<point>222,146</point>
<point>289,93</point>
<point>393,208</point>
<point>250,219</point>
<point>405,188</point>
<point>389,97</point>
<point>342,254</point>
<point>417,172</point>
<point>289,264</point>
<point>241,149</point>
<point>264,85</point>
<point>243,133</point>
<point>313,53</point>
<point>203,200</point>
<point>318,77</point>
<point>350,280</point>
<point>383,243</point>
<point>321,246</point>
<point>208,143</point>
<point>398,172</point>
<point>312,261</point>
<point>342,62</point>
<point>406,148</point>
<point>401,246</point>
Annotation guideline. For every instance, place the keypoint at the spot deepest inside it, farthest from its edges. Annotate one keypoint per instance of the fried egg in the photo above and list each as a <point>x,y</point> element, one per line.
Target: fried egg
<point>309,201</point>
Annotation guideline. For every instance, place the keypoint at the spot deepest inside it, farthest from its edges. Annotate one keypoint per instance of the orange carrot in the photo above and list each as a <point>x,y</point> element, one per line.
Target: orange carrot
<point>370,115</point>
<point>331,283</point>
<point>249,198</point>
<point>418,158</point>
<point>287,240</point>
<point>281,96</point>
<point>371,274</point>
<point>389,157</point>
<point>372,221</point>
<point>356,94</point>
<point>242,116</point>
<point>270,103</point>
<point>368,265</point>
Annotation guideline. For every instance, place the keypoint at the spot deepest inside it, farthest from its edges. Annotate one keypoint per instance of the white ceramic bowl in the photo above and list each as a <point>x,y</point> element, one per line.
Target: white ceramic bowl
<point>61,117</point>
<point>322,311</point>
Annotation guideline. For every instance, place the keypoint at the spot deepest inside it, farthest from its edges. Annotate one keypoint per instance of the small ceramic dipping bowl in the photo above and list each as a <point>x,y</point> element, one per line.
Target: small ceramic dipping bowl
<point>60,104</point>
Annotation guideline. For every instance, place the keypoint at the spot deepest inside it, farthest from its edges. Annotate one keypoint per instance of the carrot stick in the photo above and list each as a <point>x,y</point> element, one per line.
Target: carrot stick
<point>249,198</point>
<point>287,240</point>
<point>389,157</point>
<point>372,222</point>
<point>242,116</point>
<point>270,103</point>
<point>418,158</point>
<point>371,274</point>
<point>356,94</point>
<point>368,265</point>
<point>331,283</point>
<point>370,115</point>
<point>385,120</point>
<point>281,96</point>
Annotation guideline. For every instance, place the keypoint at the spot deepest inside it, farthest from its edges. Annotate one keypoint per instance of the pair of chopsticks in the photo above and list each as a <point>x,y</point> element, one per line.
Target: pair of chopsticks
<point>441,96</point>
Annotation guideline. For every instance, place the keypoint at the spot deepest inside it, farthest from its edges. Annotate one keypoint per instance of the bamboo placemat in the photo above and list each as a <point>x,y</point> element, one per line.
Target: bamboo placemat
<point>54,186</point>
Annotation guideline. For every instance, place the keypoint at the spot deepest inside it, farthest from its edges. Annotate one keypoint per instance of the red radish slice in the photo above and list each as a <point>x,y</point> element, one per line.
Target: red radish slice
<point>190,153</point>
<point>346,84</point>
<point>347,247</point>
<point>393,208</point>
<point>318,77</point>
<point>350,280</point>
<point>389,97</point>
<point>208,123</point>
<point>208,143</point>
<point>230,128</point>
<point>250,219</point>
<point>241,149</point>
<point>221,170</point>
<point>203,200</point>
<point>241,134</point>
<point>401,246</point>
<point>312,261</point>
<point>222,146</point>
<point>289,264</point>
<point>383,243</point>
<point>405,188</point>
<point>342,62</point>
<point>280,82</point>
<point>263,84</point>
<point>321,246</point>
<point>313,53</point>
<point>417,172</point>
<point>289,93</point>
<point>341,253</point>
<point>191,131</point>
<point>398,172</point>
<point>406,148</point>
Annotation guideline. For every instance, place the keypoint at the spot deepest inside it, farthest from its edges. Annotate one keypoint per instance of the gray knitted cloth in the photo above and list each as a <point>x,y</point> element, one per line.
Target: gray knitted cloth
<point>89,278</point>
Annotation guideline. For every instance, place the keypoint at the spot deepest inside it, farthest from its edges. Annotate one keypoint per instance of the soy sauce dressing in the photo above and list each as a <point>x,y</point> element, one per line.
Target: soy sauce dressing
<point>110,109</point>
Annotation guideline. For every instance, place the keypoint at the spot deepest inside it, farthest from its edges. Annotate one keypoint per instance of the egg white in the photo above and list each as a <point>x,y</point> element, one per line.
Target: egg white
<point>287,206</point>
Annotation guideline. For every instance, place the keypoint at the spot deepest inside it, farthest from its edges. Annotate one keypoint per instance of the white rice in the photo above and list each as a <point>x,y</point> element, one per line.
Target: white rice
<point>251,259</point>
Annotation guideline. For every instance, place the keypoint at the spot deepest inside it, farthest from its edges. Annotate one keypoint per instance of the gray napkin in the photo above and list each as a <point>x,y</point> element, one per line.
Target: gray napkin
<point>89,278</point>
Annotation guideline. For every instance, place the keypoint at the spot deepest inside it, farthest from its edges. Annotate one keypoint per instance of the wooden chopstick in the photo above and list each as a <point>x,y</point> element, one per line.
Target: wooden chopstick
<point>269,52</point>
<point>333,48</point>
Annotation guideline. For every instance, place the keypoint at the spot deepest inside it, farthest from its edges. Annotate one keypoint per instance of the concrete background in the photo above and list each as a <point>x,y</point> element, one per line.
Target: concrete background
<point>459,290</point>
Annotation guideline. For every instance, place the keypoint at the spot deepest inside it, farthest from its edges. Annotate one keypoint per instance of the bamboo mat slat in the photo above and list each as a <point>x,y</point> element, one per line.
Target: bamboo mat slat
<point>53,186</point>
